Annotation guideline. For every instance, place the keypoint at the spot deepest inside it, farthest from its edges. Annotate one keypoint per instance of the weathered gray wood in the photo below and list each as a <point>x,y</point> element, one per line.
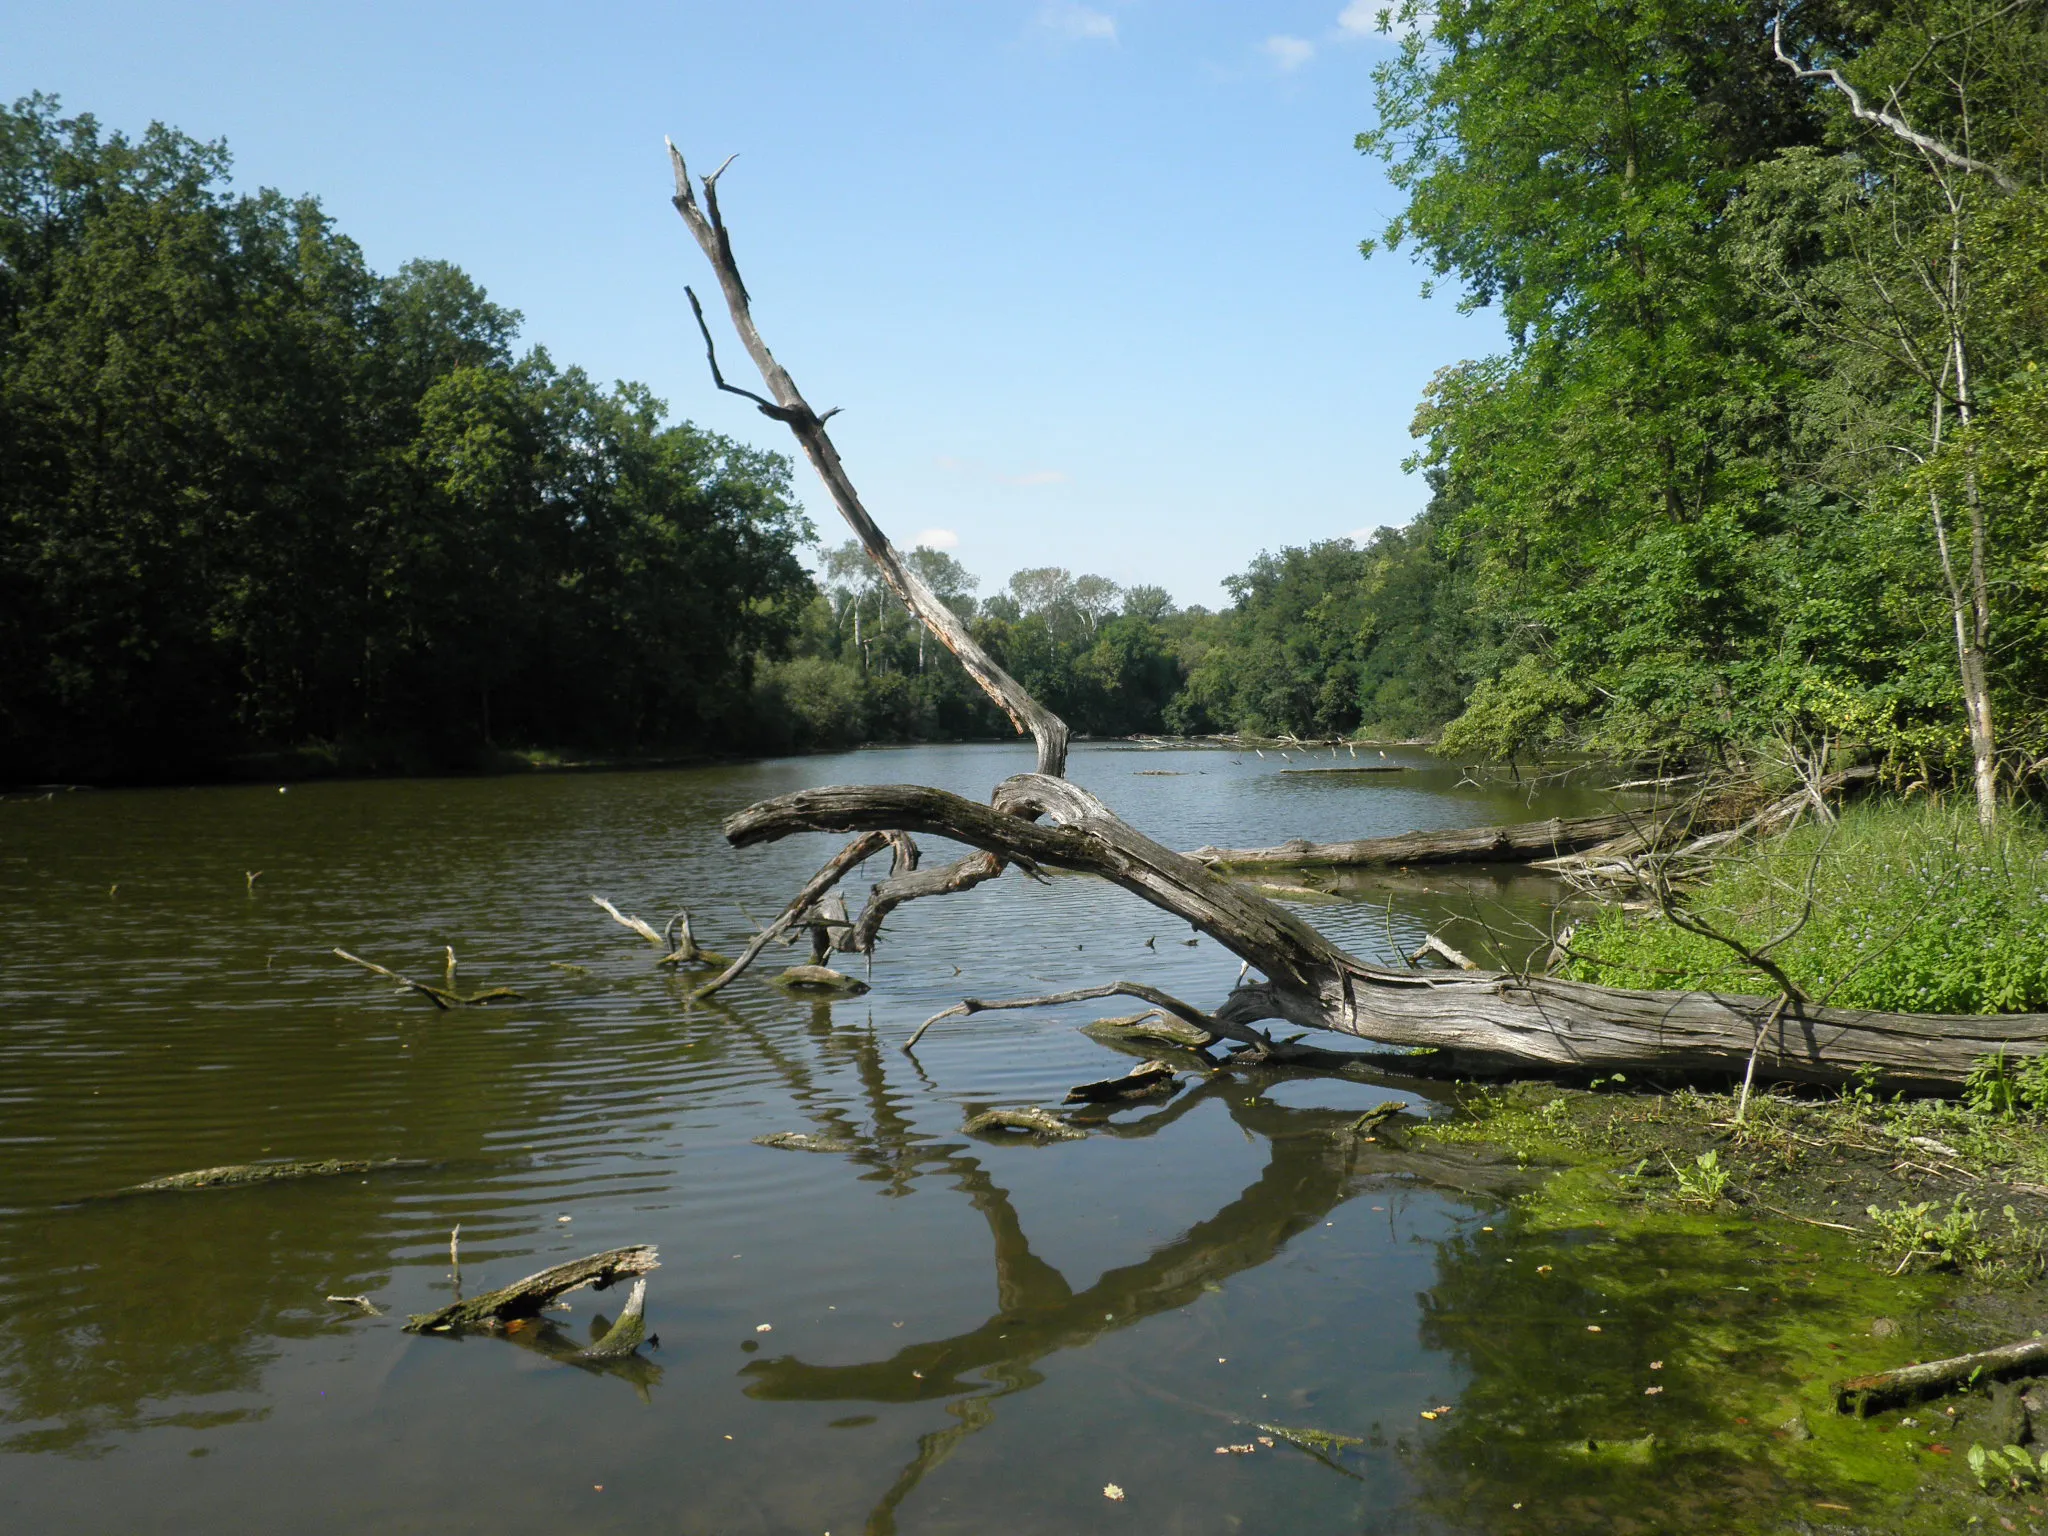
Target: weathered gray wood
<point>230,1175</point>
<point>1477,1021</point>
<point>1513,844</point>
<point>789,407</point>
<point>1863,1395</point>
<point>526,1298</point>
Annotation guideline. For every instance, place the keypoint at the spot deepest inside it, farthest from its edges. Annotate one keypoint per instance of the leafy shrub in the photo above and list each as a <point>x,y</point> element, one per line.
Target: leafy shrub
<point>1914,911</point>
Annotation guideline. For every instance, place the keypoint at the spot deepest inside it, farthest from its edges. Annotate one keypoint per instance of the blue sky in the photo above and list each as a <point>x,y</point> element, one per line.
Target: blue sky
<point>1084,277</point>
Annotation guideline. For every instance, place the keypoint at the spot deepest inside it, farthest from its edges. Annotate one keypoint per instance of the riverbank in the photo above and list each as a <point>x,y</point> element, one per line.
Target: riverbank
<point>1759,1256</point>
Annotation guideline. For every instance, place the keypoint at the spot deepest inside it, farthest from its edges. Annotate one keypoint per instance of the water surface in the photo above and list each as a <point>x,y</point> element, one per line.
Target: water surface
<point>931,1333</point>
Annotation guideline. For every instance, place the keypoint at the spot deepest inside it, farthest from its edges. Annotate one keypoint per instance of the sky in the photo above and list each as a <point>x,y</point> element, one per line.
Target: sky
<point>1084,278</point>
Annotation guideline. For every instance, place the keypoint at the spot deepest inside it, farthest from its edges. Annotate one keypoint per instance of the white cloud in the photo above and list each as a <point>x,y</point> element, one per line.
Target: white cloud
<point>936,538</point>
<point>1038,477</point>
<point>1361,18</point>
<point>1363,536</point>
<point>1077,23</point>
<point>1288,53</point>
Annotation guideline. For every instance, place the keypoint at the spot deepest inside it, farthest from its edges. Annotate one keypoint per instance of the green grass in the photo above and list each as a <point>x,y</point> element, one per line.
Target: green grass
<point>1914,911</point>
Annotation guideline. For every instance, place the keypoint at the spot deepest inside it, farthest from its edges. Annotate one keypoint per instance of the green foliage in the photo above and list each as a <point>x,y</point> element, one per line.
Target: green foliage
<point>1705,1181</point>
<point>2011,1469</point>
<point>1955,1241</point>
<point>254,495</point>
<point>1913,911</point>
<point>1687,494</point>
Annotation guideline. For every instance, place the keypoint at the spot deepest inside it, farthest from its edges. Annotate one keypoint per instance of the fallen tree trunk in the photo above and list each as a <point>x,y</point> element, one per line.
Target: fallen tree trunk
<point>1513,844</point>
<point>526,1298</point>
<point>1473,1021</point>
<point>1478,1022</point>
<point>1864,1395</point>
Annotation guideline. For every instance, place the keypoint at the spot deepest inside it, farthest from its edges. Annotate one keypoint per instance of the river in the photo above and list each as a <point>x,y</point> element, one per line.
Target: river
<point>929,1333</point>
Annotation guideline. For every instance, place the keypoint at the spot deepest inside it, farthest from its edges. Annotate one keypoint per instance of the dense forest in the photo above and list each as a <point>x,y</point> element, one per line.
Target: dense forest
<point>1764,461</point>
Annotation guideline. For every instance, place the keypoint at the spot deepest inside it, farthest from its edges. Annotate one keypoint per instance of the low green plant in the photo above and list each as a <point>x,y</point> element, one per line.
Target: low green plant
<point>1913,910</point>
<point>2013,1469</point>
<point>1957,1240</point>
<point>1999,1085</point>
<point>1705,1181</point>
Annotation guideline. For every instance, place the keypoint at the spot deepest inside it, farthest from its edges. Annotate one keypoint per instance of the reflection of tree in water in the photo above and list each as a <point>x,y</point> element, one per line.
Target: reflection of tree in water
<point>1314,1164</point>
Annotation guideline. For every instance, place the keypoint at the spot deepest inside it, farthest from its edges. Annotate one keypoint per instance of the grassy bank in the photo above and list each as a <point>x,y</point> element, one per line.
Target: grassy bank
<point>1912,909</point>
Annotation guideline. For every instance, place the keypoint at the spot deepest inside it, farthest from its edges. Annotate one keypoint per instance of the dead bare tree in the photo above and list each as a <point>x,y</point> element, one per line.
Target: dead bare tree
<point>1474,1021</point>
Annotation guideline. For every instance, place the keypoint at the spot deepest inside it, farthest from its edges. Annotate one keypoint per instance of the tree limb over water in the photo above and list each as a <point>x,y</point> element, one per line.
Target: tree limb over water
<point>1478,1021</point>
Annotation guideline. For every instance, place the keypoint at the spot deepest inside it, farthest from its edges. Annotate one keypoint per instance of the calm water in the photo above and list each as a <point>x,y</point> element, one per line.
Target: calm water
<point>929,1334</point>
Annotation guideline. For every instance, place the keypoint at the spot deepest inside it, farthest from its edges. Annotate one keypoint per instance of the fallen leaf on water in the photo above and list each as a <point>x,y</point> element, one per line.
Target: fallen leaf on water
<point>1592,1327</point>
<point>1112,1492</point>
<point>1842,1507</point>
<point>1429,1413</point>
<point>1542,1269</point>
<point>1651,1391</point>
<point>764,1327</point>
<point>1656,1365</point>
<point>1939,1450</point>
<point>1266,1441</point>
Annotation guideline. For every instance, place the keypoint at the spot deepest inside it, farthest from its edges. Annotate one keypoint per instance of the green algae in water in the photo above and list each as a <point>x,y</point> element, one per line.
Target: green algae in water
<point>1642,1368</point>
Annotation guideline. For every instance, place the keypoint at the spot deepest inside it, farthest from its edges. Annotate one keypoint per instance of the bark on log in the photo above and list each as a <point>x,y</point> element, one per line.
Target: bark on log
<point>625,1335</point>
<point>1513,844</point>
<point>1041,1123</point>
<point>1864,1395</point>
<point>1479,1022</point>
<point>526,1298</point>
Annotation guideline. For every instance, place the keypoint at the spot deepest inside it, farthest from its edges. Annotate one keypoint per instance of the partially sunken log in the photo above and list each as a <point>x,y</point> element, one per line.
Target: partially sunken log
<point>1864,1395</point>
<point>1148,1080</point>
<point>1154,1028</point>
<point>1515,844</point>
<point>803,1141</point>
<point>232,1175</point>
<point>526,1298</point>
<point>1042,1123</point>
<point>625,1335</point>
<point>821,978</point>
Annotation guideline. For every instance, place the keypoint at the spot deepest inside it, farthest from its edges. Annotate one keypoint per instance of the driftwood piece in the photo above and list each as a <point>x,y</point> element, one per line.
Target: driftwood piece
<point>788,406</point>
<point>232,1175</point>
<point>1478,1021</point>
<point>526,1298</point>
<point>1033,1122</point>
<point>1518,842</point>
<point>625,1335</point>
<point>1147,1080</point>
<point>1153,1028</point>
<point>362,1303</point>
<point>440,997</point>
<point>1432,945</point>
<point>821,978</point>
<point>1864,1395</point>
<point>803,1141</point>
<point>913,884</point>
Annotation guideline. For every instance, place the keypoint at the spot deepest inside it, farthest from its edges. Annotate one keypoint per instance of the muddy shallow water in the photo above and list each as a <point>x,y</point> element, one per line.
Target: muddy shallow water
<point>930,1333</point>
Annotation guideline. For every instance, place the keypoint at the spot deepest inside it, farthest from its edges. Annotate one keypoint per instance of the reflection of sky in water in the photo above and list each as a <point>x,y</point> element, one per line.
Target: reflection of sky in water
<point>964,1335</point>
